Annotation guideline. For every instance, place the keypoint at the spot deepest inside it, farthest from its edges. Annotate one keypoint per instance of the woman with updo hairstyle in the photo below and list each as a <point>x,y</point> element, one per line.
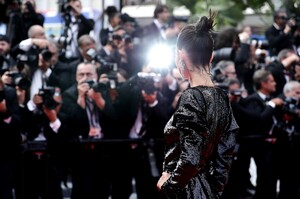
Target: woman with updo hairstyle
<point>201,135</point>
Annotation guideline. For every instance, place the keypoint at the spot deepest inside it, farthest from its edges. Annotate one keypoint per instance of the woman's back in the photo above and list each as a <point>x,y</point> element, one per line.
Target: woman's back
<point>202,120</point>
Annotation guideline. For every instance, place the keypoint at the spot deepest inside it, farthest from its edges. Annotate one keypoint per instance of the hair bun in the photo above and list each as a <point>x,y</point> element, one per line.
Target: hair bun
<point>205,25</point>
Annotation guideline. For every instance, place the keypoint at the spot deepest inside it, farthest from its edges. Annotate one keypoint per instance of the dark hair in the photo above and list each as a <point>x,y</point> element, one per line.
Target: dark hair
<point>197,40</point>
<point>159,9</point>
<point>111,11</point>
<point>277,13</point>
<point>259,77</point>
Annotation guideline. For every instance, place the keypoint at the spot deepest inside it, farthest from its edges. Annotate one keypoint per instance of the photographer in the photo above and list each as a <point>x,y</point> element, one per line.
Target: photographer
<point>280,34</point>
<point>10,139</point>
<point>287,131</point>
<point>143,114</point>
<point>88,114</point>
<point>6,60</point>
<point>259,141</point>
<point>21,21</point>
<point>239,184</point>
<point>41,158</point>
<point>234,46</point>
<point>76,25</point>
<point>283,69</point>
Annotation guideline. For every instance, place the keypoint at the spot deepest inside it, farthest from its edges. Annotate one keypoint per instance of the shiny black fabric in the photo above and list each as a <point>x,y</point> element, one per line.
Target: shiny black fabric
<point>199,142</point>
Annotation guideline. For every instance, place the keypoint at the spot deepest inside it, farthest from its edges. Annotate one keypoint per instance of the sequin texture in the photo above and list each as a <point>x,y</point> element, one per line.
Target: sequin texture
<point>199,142</point>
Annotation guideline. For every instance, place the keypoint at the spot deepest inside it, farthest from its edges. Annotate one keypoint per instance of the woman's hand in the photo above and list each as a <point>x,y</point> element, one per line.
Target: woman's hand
<point>164,177</point>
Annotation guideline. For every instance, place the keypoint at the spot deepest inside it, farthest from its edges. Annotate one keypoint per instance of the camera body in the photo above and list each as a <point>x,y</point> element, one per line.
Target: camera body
<point>18,79</point>
<point>146,81</point>
<point>98,87</point>
<point>47,94</point>
<point>46,54</point>
<point>106,67</point>
<point>290,107</point>
<point>226,53</point>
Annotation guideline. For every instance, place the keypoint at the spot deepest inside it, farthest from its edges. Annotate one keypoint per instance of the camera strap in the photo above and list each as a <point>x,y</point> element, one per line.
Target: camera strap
<point>93,114</point>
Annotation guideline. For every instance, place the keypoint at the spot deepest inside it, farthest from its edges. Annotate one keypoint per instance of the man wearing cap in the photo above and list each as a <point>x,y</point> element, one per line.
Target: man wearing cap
<point>6,61</point>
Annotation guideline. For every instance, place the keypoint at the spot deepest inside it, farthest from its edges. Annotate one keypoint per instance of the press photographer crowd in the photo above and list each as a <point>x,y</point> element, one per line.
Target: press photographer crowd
<point>94,115</point>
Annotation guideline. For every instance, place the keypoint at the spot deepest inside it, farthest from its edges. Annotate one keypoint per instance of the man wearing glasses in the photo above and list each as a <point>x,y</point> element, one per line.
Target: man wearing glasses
<point>280,34</point>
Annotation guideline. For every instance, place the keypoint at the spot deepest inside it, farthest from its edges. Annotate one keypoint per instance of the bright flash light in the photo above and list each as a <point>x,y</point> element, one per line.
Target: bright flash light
<point>160,56</point>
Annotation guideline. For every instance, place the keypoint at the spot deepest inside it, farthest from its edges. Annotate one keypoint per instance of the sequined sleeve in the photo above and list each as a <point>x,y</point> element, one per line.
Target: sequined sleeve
<point>224,155</point>
<point>189,119</point>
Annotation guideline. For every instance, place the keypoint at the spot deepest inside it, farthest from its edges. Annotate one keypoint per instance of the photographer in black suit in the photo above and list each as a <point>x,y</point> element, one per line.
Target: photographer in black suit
<point>280,34</point>
<point>6,60</point>
<point>287,133</point>
<point>20,22</point>
<point>259,141</point>
<point>87,113</point>
<point>283,69</point>
<point>41,167</point>
<point>10,139</point>
<point>143,114</point>
<point>76,25</point>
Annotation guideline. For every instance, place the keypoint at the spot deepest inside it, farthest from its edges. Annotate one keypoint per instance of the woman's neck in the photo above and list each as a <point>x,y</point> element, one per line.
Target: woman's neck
<point>200,79</point>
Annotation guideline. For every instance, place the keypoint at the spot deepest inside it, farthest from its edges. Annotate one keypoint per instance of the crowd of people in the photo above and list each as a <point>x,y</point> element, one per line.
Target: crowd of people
<point>71,109</point>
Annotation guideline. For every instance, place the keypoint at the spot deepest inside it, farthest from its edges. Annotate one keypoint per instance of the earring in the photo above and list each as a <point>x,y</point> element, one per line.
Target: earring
<point>182,65</point>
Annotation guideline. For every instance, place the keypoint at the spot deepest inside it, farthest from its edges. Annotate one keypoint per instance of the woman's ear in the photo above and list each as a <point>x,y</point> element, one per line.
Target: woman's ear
<point>182,57</point>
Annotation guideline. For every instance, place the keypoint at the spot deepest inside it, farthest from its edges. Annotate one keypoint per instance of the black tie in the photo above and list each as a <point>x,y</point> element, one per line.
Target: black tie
<point>267,99</point>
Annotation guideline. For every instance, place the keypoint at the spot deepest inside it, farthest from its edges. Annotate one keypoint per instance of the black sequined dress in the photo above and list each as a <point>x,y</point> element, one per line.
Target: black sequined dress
<point>199,142</point>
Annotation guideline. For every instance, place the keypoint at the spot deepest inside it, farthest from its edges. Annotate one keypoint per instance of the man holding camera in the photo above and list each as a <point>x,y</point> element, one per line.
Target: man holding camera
<point>20,22</point>
<point>76,25</point>
<point>280,34</point>
<point>287,131</point>
<point>87,115</point>
<point>42,168</point>
<point>10,139</point>
<point>6,60</point>
<point>258,139</point>
<point>283,69</point>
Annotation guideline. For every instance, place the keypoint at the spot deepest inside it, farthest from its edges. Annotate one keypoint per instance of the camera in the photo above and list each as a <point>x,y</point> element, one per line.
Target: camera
<point>18,79</point>
<point>289,117</point>
<point>218,75</point>
<point>47,94</point>
<point>106,66</point>
<point>127,38</point>
<point>98,87</point>
<point>46,54</point>
<point>226,53</point>
<point>146,81</point>
<point>290,107</point>
<point>64,6</point>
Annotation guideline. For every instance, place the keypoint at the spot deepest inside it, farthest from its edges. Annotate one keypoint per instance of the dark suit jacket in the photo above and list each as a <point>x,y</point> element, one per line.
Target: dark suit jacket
<point>66,74</point>
<point>85,25</point>
<point>75,119</point>
<point>258,117</point>
<point>10,132</point>
<point>131,100</point>
<point>278,40</point>
<point>152,34</point>
<point>104,36</point>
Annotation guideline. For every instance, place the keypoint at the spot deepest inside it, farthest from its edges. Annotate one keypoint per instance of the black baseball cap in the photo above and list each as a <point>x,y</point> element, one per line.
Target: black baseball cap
<point>4,38</point>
